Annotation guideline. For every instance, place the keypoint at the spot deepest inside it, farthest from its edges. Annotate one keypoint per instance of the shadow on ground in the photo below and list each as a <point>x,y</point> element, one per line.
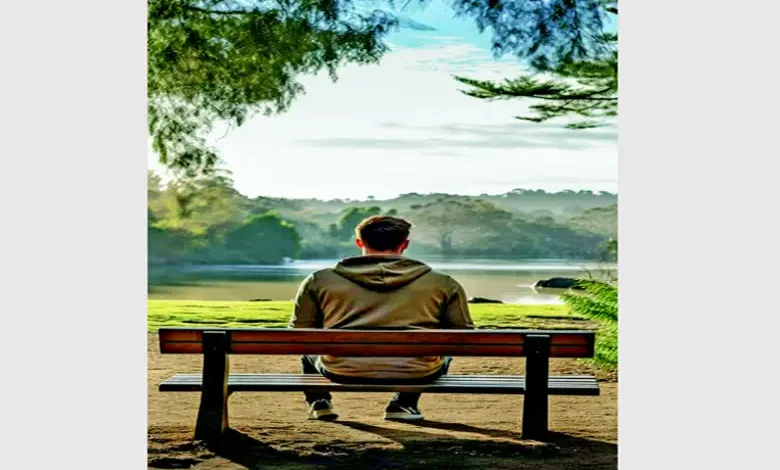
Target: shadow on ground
<point>417,446</point>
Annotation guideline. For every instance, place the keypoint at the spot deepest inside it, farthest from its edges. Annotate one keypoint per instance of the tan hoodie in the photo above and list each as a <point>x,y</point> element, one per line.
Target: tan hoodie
<point>376,292</point>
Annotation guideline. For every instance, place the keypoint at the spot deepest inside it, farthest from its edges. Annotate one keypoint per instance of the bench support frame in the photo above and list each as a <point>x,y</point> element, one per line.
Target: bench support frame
<point>537,374</point>
<point>213,411</point>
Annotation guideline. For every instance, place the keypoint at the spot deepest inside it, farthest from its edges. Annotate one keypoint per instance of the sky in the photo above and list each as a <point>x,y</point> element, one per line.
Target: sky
<point>403,126</point>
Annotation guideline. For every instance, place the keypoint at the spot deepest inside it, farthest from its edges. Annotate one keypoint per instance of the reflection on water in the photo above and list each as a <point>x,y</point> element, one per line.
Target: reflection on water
<point>510,282</point>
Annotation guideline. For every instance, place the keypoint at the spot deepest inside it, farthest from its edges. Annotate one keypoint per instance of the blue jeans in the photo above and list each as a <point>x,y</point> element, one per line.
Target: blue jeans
<point>310,365</point>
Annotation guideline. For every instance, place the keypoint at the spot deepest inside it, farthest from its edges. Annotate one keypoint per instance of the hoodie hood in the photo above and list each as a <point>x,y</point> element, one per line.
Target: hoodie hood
<point>381,273</point>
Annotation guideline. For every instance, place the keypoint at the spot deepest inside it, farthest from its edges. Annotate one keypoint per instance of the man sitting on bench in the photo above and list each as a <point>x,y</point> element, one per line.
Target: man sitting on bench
<point>379,290</point>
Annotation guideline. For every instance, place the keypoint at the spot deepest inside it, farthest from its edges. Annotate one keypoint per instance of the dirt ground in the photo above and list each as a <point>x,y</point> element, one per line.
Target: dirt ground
<point>270,430</point>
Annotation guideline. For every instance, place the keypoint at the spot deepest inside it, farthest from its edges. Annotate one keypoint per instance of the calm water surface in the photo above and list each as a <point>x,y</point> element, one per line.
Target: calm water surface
<point>510,282</point>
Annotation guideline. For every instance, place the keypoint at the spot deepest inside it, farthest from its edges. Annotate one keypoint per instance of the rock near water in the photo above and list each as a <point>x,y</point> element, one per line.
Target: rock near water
<point>558,283</point>
<point>482,300</point>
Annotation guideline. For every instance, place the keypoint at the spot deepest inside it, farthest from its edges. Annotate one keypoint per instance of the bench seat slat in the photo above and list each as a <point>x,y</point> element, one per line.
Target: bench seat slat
<point>505,385</point>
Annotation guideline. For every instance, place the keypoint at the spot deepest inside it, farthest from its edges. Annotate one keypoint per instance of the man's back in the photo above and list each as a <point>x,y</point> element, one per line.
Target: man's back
<point>376,292</point>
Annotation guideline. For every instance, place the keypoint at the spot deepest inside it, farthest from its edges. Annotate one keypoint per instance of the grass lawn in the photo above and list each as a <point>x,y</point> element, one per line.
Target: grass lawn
<point>166,313</point>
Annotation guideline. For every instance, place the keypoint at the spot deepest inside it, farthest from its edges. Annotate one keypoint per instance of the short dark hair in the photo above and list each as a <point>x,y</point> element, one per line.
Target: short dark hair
<point>383,233</point>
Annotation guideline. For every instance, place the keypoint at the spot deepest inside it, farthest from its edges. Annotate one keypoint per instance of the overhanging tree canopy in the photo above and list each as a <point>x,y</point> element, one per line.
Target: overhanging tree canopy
<point>212,60</point>
<point>580,82</point>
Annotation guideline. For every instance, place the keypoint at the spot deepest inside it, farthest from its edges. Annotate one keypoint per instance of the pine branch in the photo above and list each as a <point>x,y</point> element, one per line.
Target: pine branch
<point>586,89</point>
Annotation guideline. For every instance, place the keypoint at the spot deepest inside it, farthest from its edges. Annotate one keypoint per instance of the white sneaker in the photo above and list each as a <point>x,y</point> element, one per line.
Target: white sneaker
<point>396,412</point>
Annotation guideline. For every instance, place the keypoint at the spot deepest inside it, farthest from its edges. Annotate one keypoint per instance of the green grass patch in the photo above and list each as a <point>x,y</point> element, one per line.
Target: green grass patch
<point>198,313</point>
<point>172,313</point>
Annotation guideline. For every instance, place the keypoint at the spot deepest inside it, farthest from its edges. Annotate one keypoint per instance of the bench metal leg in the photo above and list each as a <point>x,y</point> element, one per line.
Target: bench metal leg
<point>213,412</point>
<point>537,373</point>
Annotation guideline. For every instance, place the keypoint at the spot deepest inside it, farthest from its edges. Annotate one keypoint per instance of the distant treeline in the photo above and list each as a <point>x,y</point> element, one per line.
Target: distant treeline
<point>206,221</point>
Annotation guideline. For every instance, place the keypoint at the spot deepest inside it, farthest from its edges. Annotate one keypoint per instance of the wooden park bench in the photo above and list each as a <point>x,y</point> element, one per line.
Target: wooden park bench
<point>537,346</point>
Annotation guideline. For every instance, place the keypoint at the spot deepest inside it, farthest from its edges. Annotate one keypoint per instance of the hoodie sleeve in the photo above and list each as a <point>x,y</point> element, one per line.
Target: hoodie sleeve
<point>456,310</point>
<point>306,311</point>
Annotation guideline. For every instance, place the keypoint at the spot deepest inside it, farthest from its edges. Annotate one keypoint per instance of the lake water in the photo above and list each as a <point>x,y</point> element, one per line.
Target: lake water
<point>510,282</point>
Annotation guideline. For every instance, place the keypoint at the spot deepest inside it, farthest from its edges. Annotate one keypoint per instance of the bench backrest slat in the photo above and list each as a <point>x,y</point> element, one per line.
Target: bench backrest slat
<point>386,343</point>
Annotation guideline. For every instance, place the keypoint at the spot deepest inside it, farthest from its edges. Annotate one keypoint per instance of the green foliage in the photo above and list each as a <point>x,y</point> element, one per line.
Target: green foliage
<point>612,249</point>
<point>203,219</point>
<point>478,228</point>
<point>264,238</point>
<point>190,216</point>
<point>580,80</point>
<point>599,220</point>
<point>586,89</point>
<point>599,301</point>
<point>197,220</point>
<point>217,60</point>
<point>169,245</point>
<point>448,219</point>
<point>544,33</point>
<point>316,243</point>
<point>205,205</point>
